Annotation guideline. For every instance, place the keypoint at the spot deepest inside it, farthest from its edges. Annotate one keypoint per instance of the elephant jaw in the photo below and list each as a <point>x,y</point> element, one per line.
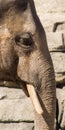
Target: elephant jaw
<point>31,92</point>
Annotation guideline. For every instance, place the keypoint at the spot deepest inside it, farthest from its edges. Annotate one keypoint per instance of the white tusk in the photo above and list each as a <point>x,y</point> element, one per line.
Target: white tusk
<point>34,98</point>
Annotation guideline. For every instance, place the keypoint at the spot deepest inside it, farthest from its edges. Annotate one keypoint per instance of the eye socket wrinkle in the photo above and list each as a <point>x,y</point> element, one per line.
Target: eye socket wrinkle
<point>20,5</point>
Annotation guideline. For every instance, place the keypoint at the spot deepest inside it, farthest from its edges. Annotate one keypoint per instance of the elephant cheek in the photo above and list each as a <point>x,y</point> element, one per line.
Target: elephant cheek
<point>27,72</point>
<point>22,73</point>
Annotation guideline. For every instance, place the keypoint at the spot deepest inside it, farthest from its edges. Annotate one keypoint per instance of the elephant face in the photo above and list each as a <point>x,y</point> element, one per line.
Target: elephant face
<point>18,34</point>
<point>20,41</point>
<point>24,55</point>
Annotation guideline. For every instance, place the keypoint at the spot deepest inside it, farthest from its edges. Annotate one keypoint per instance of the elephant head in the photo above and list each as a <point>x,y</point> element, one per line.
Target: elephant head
<point>25,58</point>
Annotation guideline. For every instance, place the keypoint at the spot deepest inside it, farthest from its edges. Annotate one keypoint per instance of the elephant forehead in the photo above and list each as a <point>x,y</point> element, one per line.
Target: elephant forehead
<point>30,23</point>
<point>20,21</point>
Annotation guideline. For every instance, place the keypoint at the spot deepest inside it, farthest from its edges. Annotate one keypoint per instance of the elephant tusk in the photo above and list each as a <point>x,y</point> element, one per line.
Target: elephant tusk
<point>34,98</point>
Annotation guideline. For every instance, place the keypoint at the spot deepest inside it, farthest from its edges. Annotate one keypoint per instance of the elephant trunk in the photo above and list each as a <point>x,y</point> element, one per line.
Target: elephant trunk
<point>43,95</point>
<point>47,97</point>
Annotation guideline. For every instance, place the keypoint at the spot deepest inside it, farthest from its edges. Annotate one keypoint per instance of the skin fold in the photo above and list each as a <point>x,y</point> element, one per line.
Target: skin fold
<point>25,58</point>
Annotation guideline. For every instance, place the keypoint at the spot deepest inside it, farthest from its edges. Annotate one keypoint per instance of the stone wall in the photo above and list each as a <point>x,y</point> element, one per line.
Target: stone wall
<point>16,110</point>
<point>52,16</point>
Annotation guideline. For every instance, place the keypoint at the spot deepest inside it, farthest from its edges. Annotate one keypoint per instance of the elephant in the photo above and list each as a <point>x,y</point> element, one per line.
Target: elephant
<point>25,57</point>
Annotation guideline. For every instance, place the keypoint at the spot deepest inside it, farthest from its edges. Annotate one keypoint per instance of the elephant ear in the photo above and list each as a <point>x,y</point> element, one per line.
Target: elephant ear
<point>34,98</point>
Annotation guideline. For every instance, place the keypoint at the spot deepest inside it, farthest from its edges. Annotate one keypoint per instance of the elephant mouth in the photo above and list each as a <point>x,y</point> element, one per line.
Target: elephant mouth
<point>29,90</point>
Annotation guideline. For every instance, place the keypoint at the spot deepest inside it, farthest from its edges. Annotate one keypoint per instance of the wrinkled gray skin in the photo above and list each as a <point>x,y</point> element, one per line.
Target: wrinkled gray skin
<point>24,55</point>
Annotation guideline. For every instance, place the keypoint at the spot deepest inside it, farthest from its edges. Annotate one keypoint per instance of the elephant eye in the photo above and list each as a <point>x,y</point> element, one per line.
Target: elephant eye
<point>25,40</point>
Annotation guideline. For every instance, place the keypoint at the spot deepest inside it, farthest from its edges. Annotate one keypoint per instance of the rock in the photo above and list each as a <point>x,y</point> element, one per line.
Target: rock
<point>63,118</point>
<point>49,20</point>
<point>64,39</point>
<point>16,110</point>
<point>51,13</point>
<point>50,6</point>
<point>59,62</point>
<point>54,41</point>
<point>60,78</point>
<point>60,26</point>
<point>16,126</point>
<point>11,93</point>
<point>61,104</point>
<point>2,94</point>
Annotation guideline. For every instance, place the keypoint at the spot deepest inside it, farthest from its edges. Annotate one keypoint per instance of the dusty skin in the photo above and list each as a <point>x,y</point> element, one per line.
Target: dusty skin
<point>25,58</point>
